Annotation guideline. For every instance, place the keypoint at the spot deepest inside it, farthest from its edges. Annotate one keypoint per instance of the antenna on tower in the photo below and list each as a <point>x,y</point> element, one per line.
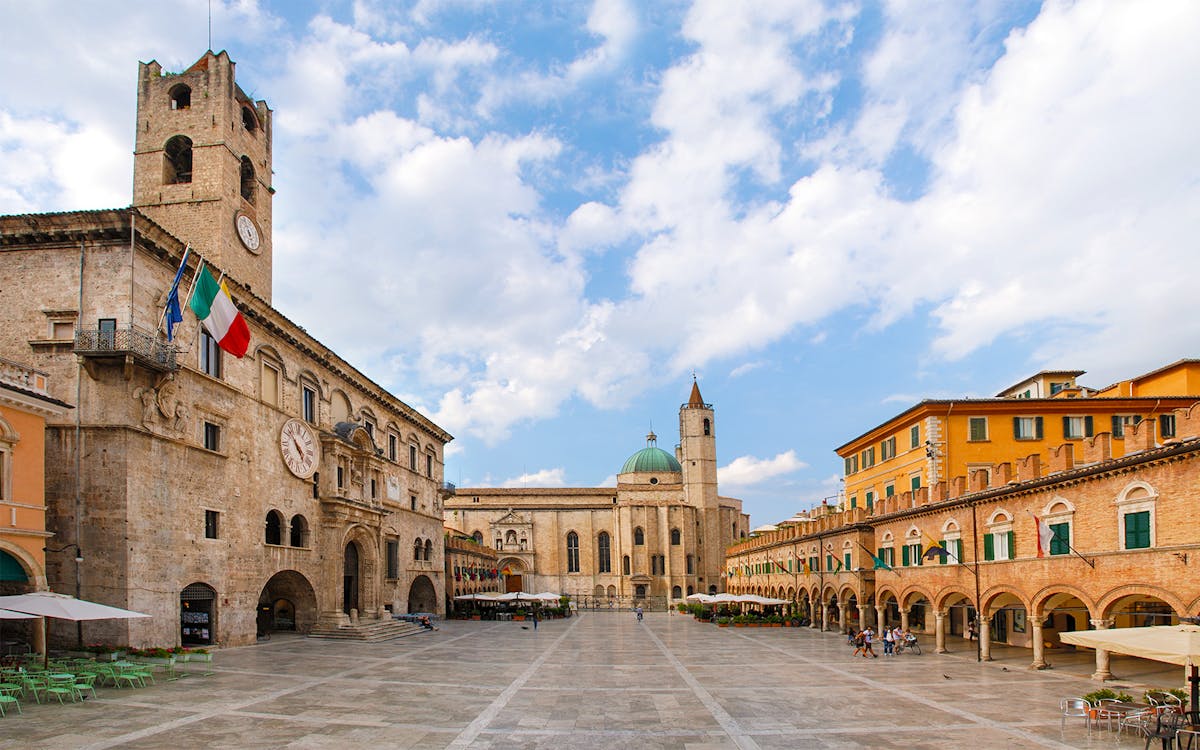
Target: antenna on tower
<point>210,24</point>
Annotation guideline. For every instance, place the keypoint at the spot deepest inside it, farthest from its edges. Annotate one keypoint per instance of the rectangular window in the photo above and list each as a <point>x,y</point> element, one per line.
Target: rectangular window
<point>915,482</point>
<point>846,560</point>
<point>393,558</point>
<point>412,502</point>
<point>1061,540</point>
<point>412,457</point>
<point>369,426</point>
<point>853,502</point>
<point>392,442</point>
<point>210,355</point>
<point>1077,427</point>
<point>851,464</point>
<point>887,449</point>
<point>270,384</point>
<point>1056,388</point>
<point>828,562</point>
<point>341,477</point>
<point>691,565</point>
<point>979,428</point>
<point>914,436</point>
<point>212,436</point>
<point>999,545</point>
<point>889,490</point>
<point>1028,428</point>
<point>870,500</point>
<point>428,466</point>
<point>374,488</point>
<point>308,404</point>
<point>1137,530</point>
<point>1166,425</point>
<point>210,524</point>
<point>1121,421</point>
<point>107,328</point>
<point>868,457</point>
<point>904,556</point>
<point>812,563</point>
<point>62,330</point>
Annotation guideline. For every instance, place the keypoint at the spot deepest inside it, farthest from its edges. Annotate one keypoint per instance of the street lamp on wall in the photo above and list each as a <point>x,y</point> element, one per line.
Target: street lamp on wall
<point>78,563</point>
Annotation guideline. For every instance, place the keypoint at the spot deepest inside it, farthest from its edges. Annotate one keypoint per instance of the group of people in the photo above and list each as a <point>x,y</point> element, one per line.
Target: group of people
<point>894,640</point>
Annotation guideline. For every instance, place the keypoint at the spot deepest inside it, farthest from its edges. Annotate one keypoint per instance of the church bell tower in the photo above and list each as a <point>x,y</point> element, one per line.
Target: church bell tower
<point>202,165</point>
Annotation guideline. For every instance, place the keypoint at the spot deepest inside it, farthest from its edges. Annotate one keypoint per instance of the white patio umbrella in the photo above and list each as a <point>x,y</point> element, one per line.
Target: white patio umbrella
<point>62,607</point>
<point>702,598</point>
<point>8,614</point>
<point>1173,644</point>
<point>548,596</point>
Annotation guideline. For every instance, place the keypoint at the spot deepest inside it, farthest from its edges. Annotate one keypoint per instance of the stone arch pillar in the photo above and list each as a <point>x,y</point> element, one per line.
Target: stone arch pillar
<point>939,631</point>
<point>1102,672</point>
<point>985,637</point>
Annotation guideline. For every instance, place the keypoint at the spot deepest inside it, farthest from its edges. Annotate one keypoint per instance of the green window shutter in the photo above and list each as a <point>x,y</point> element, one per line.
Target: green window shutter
<point>1039,433</point>
<point>1088,425</point>
<point>958,550</point>
<point>1067,427</point>
<point>870,500</point>
<point>1012,545</point>
<point>989,547</point>
<point>1060,541</point>
<point>942,559</point>
<point>918,558</point>
<point>1118,427</point>
<point>889,490</point>
<point>904,555</point>
<point>853,502</point>
<point>1017,428</point>
<point>916,483</point>
<point>847,561</point>
<point>1137,530</point>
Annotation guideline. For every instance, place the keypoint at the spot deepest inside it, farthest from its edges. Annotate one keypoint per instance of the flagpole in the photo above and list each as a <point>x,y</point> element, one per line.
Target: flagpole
<point>1054,535</point>
<point>186,250</point>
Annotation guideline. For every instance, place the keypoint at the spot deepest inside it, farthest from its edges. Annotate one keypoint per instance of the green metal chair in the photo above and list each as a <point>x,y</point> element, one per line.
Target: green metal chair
<point>60,686</point>
<point>8,696</point>
<point>85,681</point>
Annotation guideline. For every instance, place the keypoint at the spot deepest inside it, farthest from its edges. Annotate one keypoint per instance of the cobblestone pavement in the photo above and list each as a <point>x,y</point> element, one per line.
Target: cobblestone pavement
<point>600,680</point>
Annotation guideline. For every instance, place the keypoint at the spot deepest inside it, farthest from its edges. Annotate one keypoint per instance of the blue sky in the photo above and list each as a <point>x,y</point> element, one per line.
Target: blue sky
<point>535,220</point>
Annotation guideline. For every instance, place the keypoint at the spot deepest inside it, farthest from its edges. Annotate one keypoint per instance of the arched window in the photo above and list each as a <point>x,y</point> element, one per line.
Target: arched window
<point>603,548</point>
<point>478,537</point>
<point>675,536</point>
<point>181,96</point>
<point>274,533</point>
<point>676,592</point>
<point>418,549</point>
<point>572,552</point>
<point>299,533</point>
<point>707,427</point>
<point>639,536</point>
<point>248,181</point>
<point>625,565</point>
<point>249,120</point>
<point>428,550</point>
<point>177,160</point>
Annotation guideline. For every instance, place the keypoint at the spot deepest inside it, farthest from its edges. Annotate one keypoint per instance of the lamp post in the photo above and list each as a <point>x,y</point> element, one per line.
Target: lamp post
<point>78,563</point>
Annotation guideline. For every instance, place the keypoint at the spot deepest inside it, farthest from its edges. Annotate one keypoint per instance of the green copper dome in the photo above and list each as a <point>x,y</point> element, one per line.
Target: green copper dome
<point>651,458</point>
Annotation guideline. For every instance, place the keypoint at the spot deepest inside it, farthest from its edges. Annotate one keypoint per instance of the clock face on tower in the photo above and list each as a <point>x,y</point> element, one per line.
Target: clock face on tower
<point>299,448</point>
<point>247,232</point>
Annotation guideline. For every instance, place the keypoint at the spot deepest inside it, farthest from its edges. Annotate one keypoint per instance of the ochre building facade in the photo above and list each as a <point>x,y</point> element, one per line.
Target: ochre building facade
<point>1121,550</point>
<point>659,535</point>
<point>223,496</point>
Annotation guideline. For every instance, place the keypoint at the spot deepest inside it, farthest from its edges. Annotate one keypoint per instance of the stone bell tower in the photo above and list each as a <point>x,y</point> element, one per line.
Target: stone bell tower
<point>202,165</point>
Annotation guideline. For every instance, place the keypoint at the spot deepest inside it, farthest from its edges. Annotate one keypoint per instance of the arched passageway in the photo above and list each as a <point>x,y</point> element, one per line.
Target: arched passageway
<point>421,595</point>
<point>287,602</point>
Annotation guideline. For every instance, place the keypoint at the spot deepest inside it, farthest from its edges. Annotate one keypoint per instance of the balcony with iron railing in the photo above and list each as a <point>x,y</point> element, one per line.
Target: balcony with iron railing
<point>146,348</point>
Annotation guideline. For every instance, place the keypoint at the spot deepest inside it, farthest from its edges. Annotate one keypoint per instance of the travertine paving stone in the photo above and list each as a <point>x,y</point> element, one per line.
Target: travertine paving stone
<point>601,680</point>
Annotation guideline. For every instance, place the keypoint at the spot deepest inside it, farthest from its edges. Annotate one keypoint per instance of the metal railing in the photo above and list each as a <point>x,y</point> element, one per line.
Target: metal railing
<point>22,376</point>
<point>146,347</point>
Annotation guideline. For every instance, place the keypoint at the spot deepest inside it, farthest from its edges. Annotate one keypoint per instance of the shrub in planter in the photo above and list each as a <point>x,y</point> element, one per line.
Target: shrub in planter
<point>722,622</point>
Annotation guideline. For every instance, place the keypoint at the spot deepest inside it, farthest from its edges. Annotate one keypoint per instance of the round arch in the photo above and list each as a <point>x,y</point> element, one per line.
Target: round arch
<point>1106,605</point>
<point>359,563</point>
<point>35,575</point>
<point>1052,596</point>
<point>197,614</point>
<point>422,597</point>
<point>287,601</point>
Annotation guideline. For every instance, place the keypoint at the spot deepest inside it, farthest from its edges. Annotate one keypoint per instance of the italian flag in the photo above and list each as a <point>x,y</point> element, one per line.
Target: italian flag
<point>214,308</point>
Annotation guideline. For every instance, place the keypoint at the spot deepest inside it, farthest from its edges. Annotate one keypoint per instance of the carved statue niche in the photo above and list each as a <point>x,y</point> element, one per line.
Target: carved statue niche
<point>149,406</point>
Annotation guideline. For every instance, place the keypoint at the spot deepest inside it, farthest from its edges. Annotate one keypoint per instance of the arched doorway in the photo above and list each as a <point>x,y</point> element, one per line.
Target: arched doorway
<point>350,568</point>
<point>421,595</point>
<point>197,615</point>
<point>286,602</point>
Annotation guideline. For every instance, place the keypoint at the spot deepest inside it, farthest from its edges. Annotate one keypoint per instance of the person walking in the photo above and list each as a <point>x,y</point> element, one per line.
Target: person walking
<point>858,641</point>
<point>535,619</point>
<point>889,642</point>
<point>867,634</point>
<point>972,629</point>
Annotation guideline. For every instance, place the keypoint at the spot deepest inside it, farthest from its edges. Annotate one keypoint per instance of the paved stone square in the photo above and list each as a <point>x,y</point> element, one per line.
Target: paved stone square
<point>599,680</point>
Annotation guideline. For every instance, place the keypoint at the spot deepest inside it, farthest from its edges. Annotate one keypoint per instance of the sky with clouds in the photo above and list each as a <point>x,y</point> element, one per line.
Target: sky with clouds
<point>535,220</point>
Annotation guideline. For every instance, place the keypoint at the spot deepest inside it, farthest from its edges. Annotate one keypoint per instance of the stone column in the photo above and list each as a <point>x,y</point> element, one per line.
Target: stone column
<point>1102,672</point>
<point>985,637</point>
<point>821,611</point>
<point>843,618</point>
<point>879,618</point>
<point>939,631</point>
<point>862,616</point>
<point>1039,645</point>
<point>904,619</point>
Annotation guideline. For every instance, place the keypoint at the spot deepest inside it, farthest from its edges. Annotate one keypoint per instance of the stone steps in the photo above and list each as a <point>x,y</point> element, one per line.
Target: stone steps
<point>369,632</point>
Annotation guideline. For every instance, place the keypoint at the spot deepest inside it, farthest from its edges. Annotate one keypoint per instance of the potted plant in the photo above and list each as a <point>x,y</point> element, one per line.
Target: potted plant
<point>519,615</point>
<point>722,622</point>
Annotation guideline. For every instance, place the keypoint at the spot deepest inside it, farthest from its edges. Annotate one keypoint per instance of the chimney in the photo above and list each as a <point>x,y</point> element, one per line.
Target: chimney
<point>1029,468</point>
<point>1061,458</point>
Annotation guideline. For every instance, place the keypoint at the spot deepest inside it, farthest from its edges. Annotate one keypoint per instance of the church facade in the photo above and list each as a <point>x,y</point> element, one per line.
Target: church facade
<point>659,535</point>
<point>224,496</point>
